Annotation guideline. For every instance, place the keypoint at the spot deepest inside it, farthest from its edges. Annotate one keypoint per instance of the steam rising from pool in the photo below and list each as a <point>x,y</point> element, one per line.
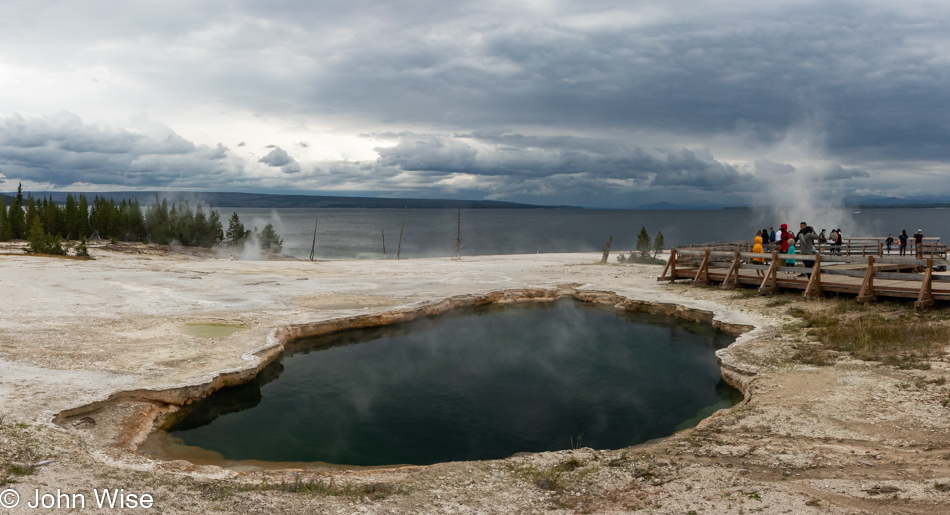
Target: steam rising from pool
<point>478,383</point>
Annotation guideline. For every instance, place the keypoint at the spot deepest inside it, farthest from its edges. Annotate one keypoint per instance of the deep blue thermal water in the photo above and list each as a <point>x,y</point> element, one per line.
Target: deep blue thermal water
<point>473,384</point>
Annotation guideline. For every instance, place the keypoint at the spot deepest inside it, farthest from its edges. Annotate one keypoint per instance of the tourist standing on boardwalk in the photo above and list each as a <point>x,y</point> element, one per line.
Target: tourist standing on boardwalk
<point>889,241</point>
<point>838,241</point>
<point>790,250</point>
<point>919,244</point>
<point>822,239</point>
<point>772,235</point>
<point>757,249</point>
<point>765,240</point>
<point>902,242</point>
<point>783,236</point>
<point>807,245</point>
<point>801,230</point>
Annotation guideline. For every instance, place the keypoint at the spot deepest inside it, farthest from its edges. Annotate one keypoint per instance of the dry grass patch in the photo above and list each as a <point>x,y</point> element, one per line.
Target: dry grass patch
<point>903,343</point>
<point>888,333</point>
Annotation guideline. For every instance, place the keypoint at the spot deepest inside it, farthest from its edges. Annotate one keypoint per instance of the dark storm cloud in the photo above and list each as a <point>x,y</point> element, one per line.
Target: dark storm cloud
<point>63,150</point>
<point>487,97</point>
<point>874,75</point>
<point>839,173</point>
<point>565,163</point>
<point>429,154</point>
<point>279,158</point>
<point>770,167</point>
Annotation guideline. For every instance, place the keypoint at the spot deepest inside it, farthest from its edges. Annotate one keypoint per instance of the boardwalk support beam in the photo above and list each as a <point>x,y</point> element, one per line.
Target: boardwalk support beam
<point>702,275</point>
<point>671,266</point>
<point>925,299</point>
<point>814,284</point>
<point>866,293</point>
<point>770,282</point>
<point>732,278</point>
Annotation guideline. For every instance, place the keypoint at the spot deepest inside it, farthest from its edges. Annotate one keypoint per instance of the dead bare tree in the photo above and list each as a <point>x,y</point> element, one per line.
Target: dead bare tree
<point>313,246</point>
<point>399,246</point>
<point>603,259</point>
<point>458,236</point>
<point>384,243</point>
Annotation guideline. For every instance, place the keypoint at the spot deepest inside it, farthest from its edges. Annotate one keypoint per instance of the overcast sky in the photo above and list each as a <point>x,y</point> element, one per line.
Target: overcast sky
<point>605,104</point>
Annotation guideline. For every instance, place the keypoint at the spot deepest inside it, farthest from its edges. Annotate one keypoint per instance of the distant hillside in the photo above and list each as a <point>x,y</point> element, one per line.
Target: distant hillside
<point>881,201</point>
<point>691,205</point>
<point>225,199</point>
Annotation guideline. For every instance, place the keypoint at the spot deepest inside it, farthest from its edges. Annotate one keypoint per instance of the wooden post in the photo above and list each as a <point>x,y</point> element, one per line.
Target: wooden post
<point>770,282</point>
<point>925,299</point>
<point>603,259</point>
<point>880,249</point>
<point>732,278</point>
<point>702,275</point>
<point>813,289</point>
<point>384,243</point>
<point>864,249</point>
<point>672,265</point>
<point>866,294</point>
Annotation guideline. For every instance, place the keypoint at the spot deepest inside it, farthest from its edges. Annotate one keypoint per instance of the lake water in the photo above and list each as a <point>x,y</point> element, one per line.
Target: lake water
<point>474,384</point>
<point>357,233</point>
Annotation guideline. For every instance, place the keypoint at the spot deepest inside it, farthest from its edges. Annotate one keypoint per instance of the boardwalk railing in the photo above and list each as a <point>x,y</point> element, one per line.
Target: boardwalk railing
<point>867,277</point>
<point>865,246</point>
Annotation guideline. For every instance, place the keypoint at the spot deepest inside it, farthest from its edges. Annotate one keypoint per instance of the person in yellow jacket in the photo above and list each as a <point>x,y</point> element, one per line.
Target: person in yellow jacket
<point>757,248</point>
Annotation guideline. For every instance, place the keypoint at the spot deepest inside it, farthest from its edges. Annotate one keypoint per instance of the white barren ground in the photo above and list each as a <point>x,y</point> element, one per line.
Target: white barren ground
<point>850,438</point>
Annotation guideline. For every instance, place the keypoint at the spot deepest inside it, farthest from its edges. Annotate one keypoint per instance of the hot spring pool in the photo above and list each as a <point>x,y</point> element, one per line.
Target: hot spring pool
<point>472,384</point>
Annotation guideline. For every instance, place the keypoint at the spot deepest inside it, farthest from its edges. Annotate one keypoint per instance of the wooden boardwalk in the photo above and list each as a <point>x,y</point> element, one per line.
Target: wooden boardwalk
<point>868,277</point>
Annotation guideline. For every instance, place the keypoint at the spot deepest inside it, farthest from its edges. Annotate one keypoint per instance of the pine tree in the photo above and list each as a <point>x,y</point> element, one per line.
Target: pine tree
<point>658,244</point>
<point>216,231</point>
<point>83,221</point>
<point>202,229</point>
<point>37,237</point>
<point>18,227</point>
<point>5,231</point>
<point>81,249</point>
<point>269,240</point>
<point>643,243</point>
<point>71,218</point>
<point>52,217</point>
<point>31,213</point>
<point>156,222</point>
<point>236,233</point>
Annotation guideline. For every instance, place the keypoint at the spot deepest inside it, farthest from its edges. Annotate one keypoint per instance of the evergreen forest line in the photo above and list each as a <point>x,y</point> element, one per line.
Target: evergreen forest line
<point>44,223</point>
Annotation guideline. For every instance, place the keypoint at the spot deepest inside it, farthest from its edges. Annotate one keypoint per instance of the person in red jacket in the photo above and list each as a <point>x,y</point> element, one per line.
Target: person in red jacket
<point>783,239</point>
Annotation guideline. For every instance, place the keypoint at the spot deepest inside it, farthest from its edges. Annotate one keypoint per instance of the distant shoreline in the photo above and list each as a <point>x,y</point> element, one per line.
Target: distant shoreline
<point>266,200</point>
<point>283,201</point>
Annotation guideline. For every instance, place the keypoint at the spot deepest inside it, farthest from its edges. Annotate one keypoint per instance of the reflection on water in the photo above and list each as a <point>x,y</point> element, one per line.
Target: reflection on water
<point>476,384</point>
